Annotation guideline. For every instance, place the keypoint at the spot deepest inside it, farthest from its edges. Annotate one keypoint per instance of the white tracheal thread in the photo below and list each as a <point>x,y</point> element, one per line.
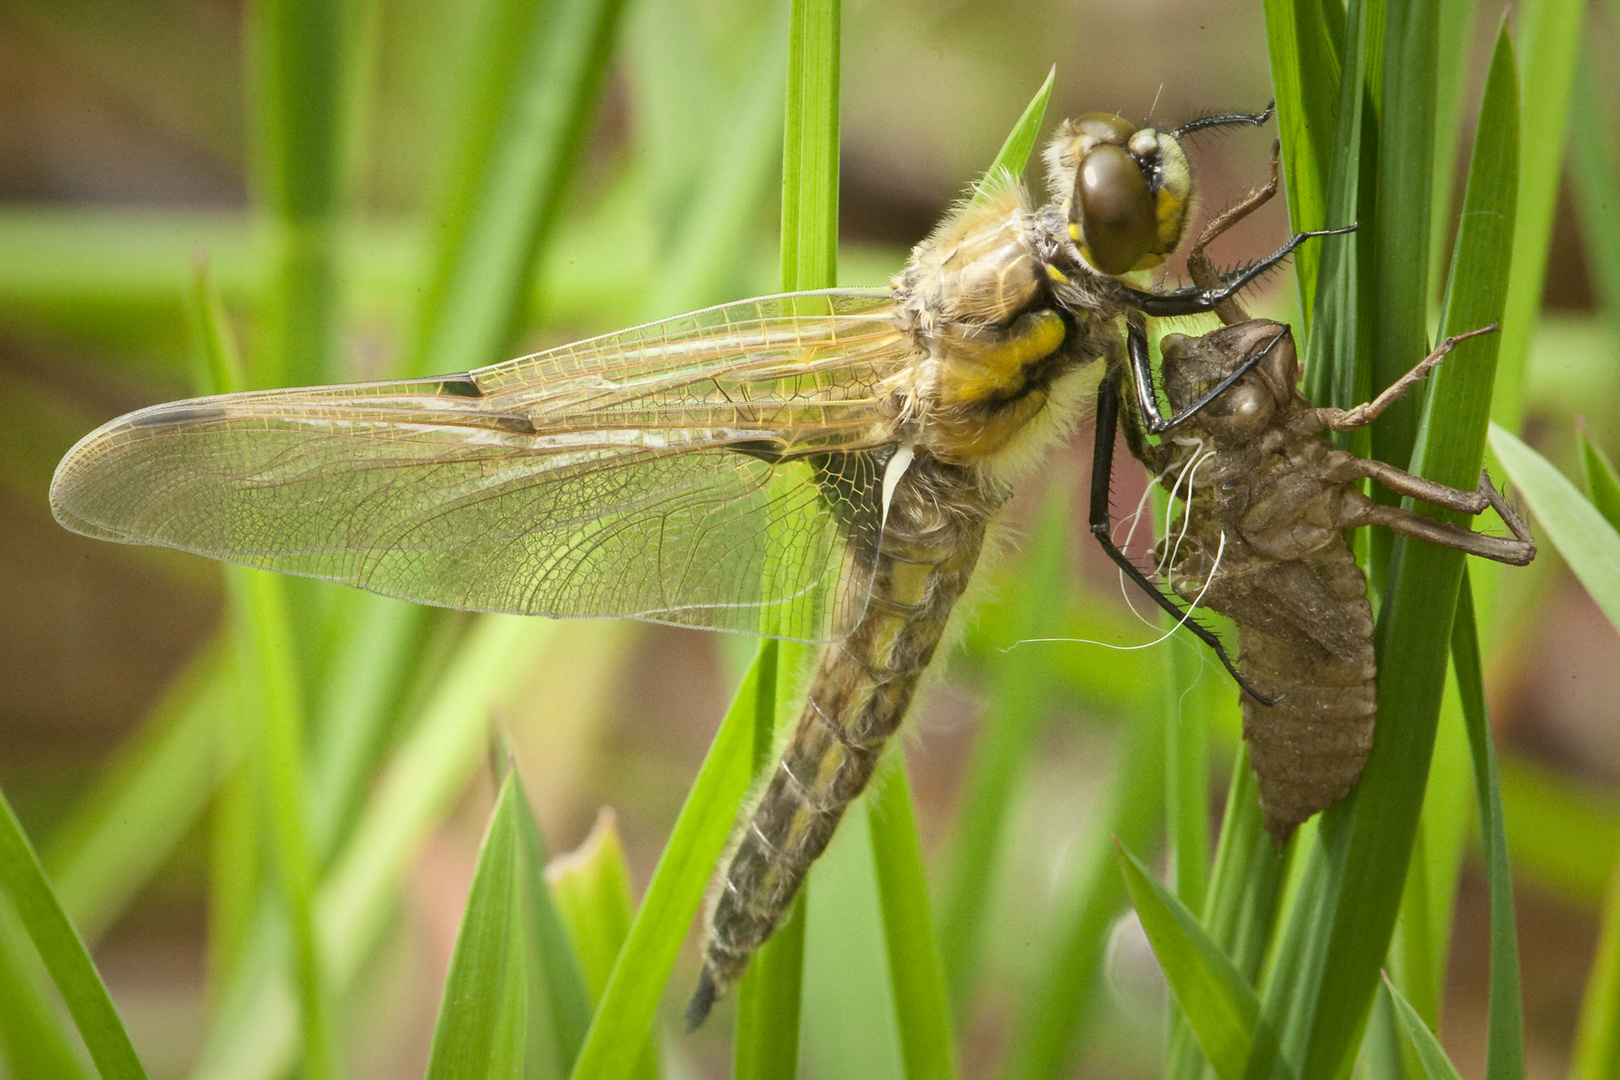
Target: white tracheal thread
<point>893,470</point>
<point>1199,457</point>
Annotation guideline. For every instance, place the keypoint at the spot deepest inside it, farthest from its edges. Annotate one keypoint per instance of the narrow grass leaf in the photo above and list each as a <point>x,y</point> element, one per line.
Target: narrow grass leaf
<point>1597,1032</point>
<point>1602,482</point>
<point>769,999</point>
<point>535,83</point>
<point>1021,682</point>
<point>306,60</point>
<point>148,798</point>
<point>64,954</point>
<point>1306,41</point>
<point>1246,884</point>
<point>1055,1006</point>
<point>1436,1066</point>
<point>1594,172</point>
<point>1588,543</point>
<point>625,1014</point>
<point>423,778</point>
<point>271,698</point>
<point>1219,1004</point>
<point>921,1005</point>
<point>479,1030</point>
<point>1369,836</point>
<point>810,147</point>
<point>1015,150</point>
<point>1504,1040</point>
<point>850,1024</point>
<point>34,1040</point>
<point>1548,41</point>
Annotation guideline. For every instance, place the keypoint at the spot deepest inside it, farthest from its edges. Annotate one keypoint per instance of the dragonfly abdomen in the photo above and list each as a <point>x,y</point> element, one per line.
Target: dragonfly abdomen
<point>860,693</point>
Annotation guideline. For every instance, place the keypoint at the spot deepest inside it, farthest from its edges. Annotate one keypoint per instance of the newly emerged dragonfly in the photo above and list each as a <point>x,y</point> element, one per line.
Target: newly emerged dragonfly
<point>818,465</point>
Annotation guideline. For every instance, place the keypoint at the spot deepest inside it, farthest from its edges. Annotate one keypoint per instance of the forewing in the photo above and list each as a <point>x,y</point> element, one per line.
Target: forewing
<point>720,469</point>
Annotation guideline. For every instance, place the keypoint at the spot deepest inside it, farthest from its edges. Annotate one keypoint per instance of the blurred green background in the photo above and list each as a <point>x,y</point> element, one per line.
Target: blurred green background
<point>125,137</point>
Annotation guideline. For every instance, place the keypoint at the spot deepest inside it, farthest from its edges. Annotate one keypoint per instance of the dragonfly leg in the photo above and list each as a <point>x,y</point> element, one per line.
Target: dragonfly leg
<point>1102,478</point>
<point>1154,421</point>
<point>1195,300</point>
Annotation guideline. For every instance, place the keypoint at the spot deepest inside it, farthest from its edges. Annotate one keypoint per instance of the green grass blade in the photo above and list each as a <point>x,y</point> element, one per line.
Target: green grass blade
<point>1306,41</point>
<point>1399,230</point>
<point>33,1038</point>
<point>1436,1066</point>
<point>273,702</point>
<point>850,1023</point>
<point>306,56</point>
<point>480,1028</point>
<point>148,798</point>
<point>419,784</point>
<point>535,84</point>
<point>1504,1046</point>
<point>1054,1007</point>
<point>1549,35</point>
<point>1015,150</point>
<point>1021,685</point>
<point>625,1014</point>
<point>588,892</point>
<point>1588,543</point>
<point>1602,482</point>
<point>1246,884</point>
<point>1597,1033</point>
<point>64,954</point>
<point>810,148</point>
<point>703,266</point>
<point>921,1005</point>
<point>1219,1004</point>
<point>809,260</point>
<point>1369,836</point>
<point>1594,172</point>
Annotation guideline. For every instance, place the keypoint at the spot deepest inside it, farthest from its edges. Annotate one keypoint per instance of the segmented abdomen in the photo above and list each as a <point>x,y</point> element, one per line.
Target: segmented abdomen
<point>1305,640</point>
<point>860,693</point>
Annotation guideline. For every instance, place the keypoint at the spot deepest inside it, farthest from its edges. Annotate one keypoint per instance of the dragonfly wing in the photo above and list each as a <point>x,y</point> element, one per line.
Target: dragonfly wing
<point>718,470</point>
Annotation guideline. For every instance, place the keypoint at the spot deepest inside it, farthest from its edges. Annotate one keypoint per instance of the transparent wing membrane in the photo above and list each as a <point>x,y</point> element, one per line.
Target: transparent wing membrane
<point>720,469</point>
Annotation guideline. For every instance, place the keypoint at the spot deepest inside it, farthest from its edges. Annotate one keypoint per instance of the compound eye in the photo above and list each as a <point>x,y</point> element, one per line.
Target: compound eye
<point>1118,225</point>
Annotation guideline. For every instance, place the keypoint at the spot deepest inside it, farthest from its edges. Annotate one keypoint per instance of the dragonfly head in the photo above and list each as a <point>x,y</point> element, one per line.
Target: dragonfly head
<point>1126,191</point>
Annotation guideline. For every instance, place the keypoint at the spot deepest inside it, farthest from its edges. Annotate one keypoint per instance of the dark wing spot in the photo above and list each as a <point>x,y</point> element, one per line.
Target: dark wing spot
<point>460,386</point>
<point>171,417</point>
<point>764,449</point>
<point>517,425</point>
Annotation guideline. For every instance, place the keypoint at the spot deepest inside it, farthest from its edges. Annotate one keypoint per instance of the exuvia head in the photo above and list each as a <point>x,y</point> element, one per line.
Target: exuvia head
<point>1125,191</point>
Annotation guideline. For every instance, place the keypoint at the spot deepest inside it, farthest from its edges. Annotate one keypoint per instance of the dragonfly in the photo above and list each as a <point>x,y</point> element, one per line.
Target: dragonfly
<point>820,466</point>
<point>1261,539</point>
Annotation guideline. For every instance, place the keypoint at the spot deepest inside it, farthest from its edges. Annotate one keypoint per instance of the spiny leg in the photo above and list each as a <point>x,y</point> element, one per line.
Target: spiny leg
<point>1365,413</point>
<point>1194,300</point>
<point>1199,266</point>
